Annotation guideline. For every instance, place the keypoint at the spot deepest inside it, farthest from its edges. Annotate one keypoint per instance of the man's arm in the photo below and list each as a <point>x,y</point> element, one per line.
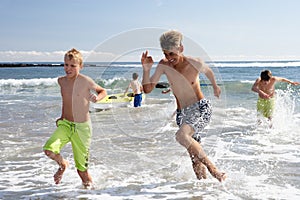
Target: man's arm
<point>211,77</point>
<point>202,67</point>
<point>147,82</point>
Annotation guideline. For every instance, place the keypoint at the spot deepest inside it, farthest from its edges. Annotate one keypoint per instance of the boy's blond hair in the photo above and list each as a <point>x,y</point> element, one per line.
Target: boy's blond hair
<point>171,39</point>
<point>74,54</point>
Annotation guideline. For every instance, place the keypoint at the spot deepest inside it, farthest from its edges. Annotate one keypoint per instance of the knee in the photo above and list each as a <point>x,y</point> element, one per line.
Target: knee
<point>48,153</point>
<point>181,138</point>
<point>184,136</point>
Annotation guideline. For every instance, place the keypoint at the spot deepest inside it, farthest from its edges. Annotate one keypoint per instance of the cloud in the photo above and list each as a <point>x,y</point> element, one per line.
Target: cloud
<point>54,56</point>
<point>31,56</point>
<point>254,58</point>
<point>133,56</point>
<point>88,56</point>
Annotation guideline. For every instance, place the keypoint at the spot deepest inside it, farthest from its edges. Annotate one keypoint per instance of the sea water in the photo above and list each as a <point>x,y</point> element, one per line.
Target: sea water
<point>134,154</point>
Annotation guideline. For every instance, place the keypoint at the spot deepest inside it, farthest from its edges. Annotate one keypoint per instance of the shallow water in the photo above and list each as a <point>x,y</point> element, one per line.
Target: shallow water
<point>134,154</point>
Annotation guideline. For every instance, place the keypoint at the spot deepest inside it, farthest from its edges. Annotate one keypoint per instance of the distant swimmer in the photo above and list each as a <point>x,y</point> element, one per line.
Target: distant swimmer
<point>193,110</point>
<point>265,87</point>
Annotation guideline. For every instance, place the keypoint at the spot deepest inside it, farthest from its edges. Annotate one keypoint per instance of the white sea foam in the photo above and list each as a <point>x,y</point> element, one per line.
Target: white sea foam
<point>28,82</point>
<point>257,64</point>
<point>134,153</point>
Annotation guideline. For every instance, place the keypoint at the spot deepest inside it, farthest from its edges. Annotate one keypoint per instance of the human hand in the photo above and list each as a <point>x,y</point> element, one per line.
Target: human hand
<point>147,61</point>
<point>264,95</point>
<point>295,83</point>
<point>93,98</point>
<point>217,91</point>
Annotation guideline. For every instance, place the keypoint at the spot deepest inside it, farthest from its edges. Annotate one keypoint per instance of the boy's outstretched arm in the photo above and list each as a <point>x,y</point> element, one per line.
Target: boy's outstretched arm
<point>280,79</point>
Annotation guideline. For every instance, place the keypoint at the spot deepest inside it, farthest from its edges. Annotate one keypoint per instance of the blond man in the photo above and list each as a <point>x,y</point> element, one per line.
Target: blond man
<point>193,110</point>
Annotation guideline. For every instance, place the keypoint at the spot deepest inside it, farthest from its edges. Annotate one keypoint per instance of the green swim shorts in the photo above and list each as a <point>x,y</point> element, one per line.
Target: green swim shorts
<point>79,134</point>
<point>266,106</point>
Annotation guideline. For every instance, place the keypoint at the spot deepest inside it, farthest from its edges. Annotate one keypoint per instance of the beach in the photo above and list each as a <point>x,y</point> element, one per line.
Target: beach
<point>134,154</point>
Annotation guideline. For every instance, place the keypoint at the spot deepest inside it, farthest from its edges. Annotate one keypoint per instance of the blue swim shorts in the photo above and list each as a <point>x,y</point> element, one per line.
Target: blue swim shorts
<point>137,100</point>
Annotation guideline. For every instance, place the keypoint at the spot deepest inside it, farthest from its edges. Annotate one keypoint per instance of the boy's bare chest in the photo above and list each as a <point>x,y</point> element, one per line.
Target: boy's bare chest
<point>71,92</point>
<point>266,88</point>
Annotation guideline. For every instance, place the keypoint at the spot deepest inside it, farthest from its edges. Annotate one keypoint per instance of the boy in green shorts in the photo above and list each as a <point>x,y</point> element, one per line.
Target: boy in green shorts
<point>74,124</point>
<point>265,87</point>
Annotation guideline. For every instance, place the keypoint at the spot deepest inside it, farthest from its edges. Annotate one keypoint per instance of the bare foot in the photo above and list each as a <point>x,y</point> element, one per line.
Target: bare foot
<point>88,185</point>
<point>221,176</point>
<point>58,175</point>
<point>199,169</point>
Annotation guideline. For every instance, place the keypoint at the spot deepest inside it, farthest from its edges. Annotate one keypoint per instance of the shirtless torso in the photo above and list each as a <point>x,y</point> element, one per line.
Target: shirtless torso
<point>184,79</point>
<point>75,97</point>
<point>265,89</point>
<point>183,75</point>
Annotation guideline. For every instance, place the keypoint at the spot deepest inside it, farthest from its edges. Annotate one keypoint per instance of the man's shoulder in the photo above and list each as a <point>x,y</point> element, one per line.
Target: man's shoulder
<point>195,61</point>
<point>162,65</point>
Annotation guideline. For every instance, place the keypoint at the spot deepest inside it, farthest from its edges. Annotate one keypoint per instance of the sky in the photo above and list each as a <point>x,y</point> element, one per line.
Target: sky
<point>43,30</point>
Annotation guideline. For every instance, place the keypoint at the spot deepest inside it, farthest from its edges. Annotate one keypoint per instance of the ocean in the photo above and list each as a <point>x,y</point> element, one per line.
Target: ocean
<point>134,154</point>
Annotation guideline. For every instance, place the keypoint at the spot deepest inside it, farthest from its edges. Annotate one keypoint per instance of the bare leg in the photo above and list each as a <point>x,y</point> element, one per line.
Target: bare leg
<point>184,137</point>
<point>198,167</point>
<point>63,164</point>
<point>270,122</point>
<point>86,178</point>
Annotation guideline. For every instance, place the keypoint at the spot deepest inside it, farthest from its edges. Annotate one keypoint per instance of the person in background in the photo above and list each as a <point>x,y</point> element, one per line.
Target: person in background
<point>137,89</point>
<point>265,87</point>
<point>74,124</point>
<point>193,110</point>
